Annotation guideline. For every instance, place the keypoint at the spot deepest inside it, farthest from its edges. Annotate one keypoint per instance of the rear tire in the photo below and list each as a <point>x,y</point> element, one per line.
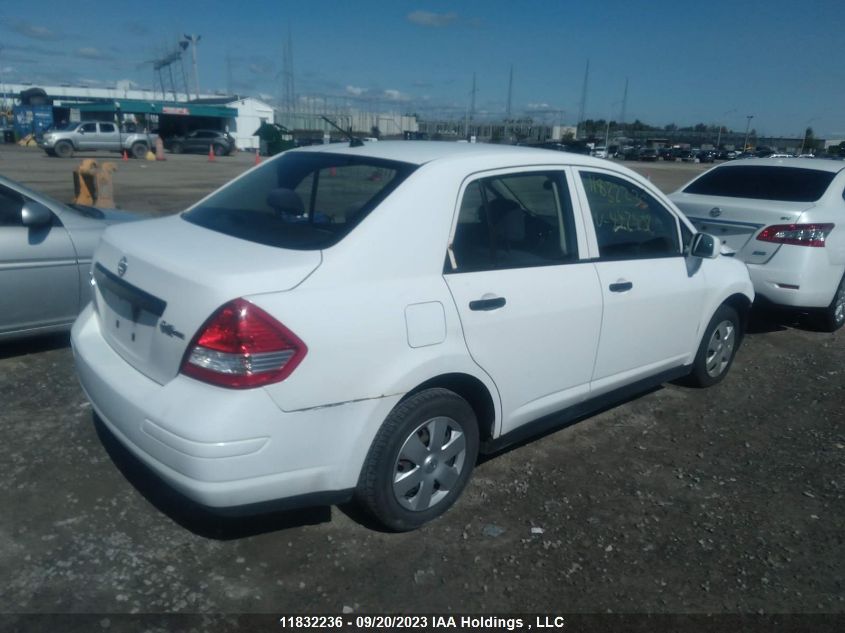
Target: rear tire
<point>139,150</point>
<point>718,348</point>
<point>176,148</point>
<point>63,149</point>
<point>833,316</point>
<point>420,460</point>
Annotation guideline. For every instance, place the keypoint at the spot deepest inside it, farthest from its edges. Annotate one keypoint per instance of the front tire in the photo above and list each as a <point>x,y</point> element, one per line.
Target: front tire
<point>176,148</point>
<point>218,150</point>
<point>718,348</point>
<point>833,316</point>
<point>420,461</point>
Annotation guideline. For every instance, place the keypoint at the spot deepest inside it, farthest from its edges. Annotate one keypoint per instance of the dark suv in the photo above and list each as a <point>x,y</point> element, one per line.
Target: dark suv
<point>202,141</point>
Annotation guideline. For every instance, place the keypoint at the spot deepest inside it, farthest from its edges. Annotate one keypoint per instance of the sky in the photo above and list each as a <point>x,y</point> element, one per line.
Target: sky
<point>686,62</point>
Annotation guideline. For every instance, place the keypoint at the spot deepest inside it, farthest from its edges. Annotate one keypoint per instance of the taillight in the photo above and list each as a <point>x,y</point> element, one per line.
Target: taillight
<point>798,234</point>
<point>241,346</point>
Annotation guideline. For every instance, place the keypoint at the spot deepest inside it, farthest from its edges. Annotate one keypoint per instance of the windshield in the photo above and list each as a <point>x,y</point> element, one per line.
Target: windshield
<point>787,184</point>
<point>301,200</point>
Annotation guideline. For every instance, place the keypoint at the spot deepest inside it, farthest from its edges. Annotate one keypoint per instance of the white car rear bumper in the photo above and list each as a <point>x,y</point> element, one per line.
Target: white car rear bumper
<point>797,276</point>
<point>221,447</point>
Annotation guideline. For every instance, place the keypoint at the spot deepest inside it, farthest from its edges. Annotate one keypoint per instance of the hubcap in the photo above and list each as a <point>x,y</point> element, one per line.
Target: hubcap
<point>720,348</point>
<point>429,464</point>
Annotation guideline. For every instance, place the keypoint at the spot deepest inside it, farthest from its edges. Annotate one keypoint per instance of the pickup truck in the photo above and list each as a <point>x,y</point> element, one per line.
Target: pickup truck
<point>95,136</point>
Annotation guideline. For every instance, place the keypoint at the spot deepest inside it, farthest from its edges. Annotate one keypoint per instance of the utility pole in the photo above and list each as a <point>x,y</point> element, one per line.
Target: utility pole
<point>747,127</point>
<point>624,104</point>
<point>508,110</point>
<point>194,40</point>
<point>582,110</point>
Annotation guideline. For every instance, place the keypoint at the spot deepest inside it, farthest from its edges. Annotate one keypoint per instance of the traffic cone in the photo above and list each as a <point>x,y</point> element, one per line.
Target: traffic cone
<point>210,154</point>
<point>125,156</point>
<point>257,158</point>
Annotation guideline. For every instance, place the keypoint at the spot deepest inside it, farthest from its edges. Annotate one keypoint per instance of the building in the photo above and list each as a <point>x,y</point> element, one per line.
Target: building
<point>240,116</point>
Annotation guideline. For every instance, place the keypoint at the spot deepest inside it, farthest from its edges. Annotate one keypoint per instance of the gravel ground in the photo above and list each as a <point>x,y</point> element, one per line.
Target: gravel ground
<point>727,500</point>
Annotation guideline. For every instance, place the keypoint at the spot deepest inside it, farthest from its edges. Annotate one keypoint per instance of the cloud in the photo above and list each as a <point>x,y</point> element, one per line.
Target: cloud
<point>136,27</point>
<point>395,95</point>
<point>538,106</point>
<point>89,52</point>
<point>429,19</point>
<point>355,91</point>
<point>33,31</point>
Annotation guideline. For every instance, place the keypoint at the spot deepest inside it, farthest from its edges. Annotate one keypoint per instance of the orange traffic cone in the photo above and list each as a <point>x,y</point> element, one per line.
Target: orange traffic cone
<point>210,154</point>
<point>125,156</point>
<point>257,158</point>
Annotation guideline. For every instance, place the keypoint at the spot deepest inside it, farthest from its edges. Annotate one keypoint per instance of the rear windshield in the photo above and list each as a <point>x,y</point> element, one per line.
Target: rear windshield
<point>302,200</point>
<point>789,184</point>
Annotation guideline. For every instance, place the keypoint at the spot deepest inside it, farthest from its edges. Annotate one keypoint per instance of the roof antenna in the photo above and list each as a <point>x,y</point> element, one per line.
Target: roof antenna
<point>354,141</point>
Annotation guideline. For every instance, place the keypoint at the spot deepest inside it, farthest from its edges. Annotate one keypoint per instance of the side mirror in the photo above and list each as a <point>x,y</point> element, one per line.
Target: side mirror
<point>705,245</point>
<point>35,214</point>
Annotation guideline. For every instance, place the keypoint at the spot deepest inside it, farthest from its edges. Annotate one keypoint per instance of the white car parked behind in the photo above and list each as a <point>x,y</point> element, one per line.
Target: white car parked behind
<point>785,218</point>
<point>362,321</point>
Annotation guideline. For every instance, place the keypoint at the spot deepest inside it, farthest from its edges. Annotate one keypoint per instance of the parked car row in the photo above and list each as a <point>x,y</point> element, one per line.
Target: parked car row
<point>66,140</point>
<point>277,344</point>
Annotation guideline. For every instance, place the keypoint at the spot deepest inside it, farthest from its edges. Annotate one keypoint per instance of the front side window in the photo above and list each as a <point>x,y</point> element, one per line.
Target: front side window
<point>301,200</point>
<point>629,222</point>
<point>514,221</point>
<point>89,127</point>
<point>11,204</point>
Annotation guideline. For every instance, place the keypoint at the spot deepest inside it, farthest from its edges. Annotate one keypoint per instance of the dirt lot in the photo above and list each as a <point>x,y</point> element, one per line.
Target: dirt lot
<point>680,501</point>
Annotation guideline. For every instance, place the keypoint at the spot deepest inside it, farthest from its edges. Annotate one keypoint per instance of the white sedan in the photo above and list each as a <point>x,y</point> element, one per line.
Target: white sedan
<point>783,217</point>
<point>361,321</point>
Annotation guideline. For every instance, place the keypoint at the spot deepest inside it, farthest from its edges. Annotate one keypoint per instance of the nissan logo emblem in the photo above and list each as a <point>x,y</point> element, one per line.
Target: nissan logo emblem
<point>122,266</point>
<point>715,212</point>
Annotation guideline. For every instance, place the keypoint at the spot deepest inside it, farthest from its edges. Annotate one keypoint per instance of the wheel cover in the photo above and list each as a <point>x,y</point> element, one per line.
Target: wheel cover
<point>429,464</point>
<point>720,348</point>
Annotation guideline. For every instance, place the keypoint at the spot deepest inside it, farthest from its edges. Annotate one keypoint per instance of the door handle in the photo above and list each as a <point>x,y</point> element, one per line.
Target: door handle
<point>621,286</point>
<point>487,304</point>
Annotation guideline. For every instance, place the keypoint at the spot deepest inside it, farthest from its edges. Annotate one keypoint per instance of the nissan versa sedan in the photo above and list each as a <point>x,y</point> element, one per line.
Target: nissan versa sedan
<point>785,218</point>
<point>361,321</point>
<point>45,258</point>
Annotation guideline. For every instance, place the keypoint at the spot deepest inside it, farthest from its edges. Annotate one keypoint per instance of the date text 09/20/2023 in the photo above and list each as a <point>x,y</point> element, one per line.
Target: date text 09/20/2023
<point>421,622</point>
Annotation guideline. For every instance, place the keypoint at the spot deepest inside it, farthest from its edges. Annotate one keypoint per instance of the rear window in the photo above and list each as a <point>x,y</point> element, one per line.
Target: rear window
<point>789,184</point>
<point>302,200</point>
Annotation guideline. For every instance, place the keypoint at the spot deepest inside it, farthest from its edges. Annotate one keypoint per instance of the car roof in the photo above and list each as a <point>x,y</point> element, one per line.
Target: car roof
<point>422,152</point>
<point>802,163</point>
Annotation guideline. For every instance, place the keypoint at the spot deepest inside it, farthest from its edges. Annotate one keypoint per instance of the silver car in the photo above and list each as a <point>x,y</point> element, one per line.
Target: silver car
<point>45,255</point>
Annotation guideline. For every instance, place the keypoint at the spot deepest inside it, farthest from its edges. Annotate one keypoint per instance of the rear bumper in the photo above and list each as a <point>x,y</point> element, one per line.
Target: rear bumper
<point>223,448</point>
<point>797,276</point>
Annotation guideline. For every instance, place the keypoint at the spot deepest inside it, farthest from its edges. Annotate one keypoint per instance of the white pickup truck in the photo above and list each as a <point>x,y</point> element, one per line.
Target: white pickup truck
<point>96,136</point>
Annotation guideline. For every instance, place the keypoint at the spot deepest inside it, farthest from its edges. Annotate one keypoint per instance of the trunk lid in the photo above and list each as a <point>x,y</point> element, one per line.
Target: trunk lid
<point>158,281</point>
<point>736,221</point>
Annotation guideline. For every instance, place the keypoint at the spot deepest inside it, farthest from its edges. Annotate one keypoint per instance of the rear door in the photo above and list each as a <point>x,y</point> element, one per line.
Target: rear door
<point>109,137</point>
<point>39,281</point>
<point>529,306</point>
<point>652,298</point>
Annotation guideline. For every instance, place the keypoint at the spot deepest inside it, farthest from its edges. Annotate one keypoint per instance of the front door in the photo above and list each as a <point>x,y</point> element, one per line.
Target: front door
<point>652,298</point>
<point>529,307</point>
<point>39,278</point>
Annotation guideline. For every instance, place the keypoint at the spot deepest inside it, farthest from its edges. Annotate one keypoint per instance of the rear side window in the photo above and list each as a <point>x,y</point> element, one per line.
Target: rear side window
<point>788,184</point>
<point>302,200</point>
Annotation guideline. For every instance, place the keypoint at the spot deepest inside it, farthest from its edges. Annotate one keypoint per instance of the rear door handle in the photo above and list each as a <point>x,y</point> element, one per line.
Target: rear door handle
<point>621,286</point>
<point>487,304</point>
